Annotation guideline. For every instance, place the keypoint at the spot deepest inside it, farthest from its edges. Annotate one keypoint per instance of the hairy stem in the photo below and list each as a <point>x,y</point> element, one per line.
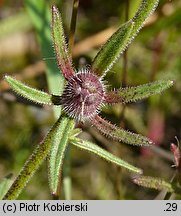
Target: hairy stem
<point>67,184</point>
<point>32,164</point>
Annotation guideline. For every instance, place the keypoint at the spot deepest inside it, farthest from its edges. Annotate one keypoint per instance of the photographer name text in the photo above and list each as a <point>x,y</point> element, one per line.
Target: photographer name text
<point>45,207</point>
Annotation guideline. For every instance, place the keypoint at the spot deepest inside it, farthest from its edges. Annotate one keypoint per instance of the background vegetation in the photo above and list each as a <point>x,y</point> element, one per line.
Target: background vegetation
<point>154,54</point>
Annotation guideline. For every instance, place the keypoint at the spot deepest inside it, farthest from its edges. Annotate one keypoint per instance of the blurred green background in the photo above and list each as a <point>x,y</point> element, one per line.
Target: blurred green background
<point>154,54</point>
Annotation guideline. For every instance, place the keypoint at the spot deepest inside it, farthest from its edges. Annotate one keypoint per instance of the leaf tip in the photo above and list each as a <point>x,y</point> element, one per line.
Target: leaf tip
<point>6,77</point>
<point>171,82</point>
<point>54,9</point>
<point>55,13</point>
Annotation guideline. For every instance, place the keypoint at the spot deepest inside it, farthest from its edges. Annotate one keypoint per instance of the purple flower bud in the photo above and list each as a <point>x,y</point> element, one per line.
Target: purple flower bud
<point>83,95</point>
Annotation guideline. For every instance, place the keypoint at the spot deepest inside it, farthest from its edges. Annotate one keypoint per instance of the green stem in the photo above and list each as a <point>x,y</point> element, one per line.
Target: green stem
<point>125,57</point>
<point>67,184</point>
<point>125,66</point>
<point>32,164</point>
<point>73,24</point>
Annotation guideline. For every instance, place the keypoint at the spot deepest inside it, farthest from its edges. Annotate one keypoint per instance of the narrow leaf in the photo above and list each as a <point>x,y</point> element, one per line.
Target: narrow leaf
<point>119,134</point>
<point>132,94</point>
<point>91,147</point>
<point>5,185</point>
<point>155,183</point>
<point>57,153</point>
<point>40,15</point>
<point>112,49</point>
<point>33,163</point>
<point>61,49</point>
<point>122,38</point>
<point>28,92</point>
<point>145,9</point>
